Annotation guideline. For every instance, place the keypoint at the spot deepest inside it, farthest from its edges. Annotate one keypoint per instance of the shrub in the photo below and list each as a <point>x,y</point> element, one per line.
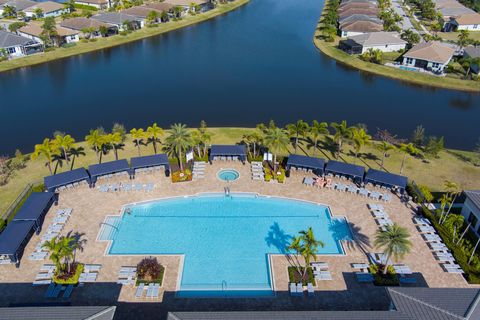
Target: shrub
<point>179,176</point>
<point>123,33</point>
<point>380,279</point>
<point>3,224</point>
<point>295,277</point>
<point>149,270</point>
<point>69,45</point>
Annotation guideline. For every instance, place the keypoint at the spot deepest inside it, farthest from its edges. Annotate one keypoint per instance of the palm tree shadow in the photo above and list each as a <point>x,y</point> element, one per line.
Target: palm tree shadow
<point>354,239</point>
<point>328,145</point>
<point>277,238</point>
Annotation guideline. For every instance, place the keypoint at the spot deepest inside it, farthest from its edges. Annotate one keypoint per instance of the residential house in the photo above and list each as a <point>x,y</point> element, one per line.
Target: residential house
<point>371,12</point>
<point>357,27</point>
<point>120,20</point>
<point>204,5</point>
<point>17,5</point>
<point>432,56</point>
<point>467,21</point>
<point>474,53</point>
<point>383,41</point>
<point>161,7</point>
<point>49,9</point>
<point>405,304</point>
<point>34,31</point>
<point>471,209</point>
<point>81,24</point>
<point>141,12</point>
<point>358,17</point>
<point>99,4</point>
<point>18,46</point>
<point>360,5</point>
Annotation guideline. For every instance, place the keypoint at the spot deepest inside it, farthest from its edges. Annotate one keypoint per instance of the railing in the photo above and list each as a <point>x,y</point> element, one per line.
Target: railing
<point>13,208</point>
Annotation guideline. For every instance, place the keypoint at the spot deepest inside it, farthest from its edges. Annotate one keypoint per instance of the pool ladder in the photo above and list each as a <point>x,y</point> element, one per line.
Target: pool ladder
<point>227,191</point>
<point>224,286</point>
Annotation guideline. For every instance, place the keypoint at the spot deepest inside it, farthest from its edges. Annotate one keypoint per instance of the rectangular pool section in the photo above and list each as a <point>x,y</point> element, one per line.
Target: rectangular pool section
<point>225,240</point>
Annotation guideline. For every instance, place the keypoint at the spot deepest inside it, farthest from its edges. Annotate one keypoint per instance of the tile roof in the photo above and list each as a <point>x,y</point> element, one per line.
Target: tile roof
<point>116,18</point>
<point>81,23</point>
<point>362,26</point>
<point>474,195</point>
<point>161,6</point>
<point>468,19</point>
<point>359,17</point>
<point>57,313</point>
<point>93,1</point>
<point>47,6</point>
<point>185,2</point>
<point>431,51</point>
<point>289,315</point>
<point>140,11</point>
<point>20,5</point>
<point>436,303</point>
<point>8,39</point>
<point>378,38</point>
<point>35,29</point>
<point>372,12</point>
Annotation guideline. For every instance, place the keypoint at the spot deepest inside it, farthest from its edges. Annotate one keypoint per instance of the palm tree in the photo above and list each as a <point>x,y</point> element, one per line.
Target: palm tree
<point>96,140</point>
<point>75,153</point>
<point>47,149</point>
<point>60,248</point>
<point>137,136</point>
<point>116,141</point>
<point>360,138</point>
<point>394,241</point>
<point>309,247</point>
<point>384,147</point>
<point>407,149</point>
<point>445,201</point>
<point>342,131</point>
<point>300,128</point>
<point>153,135</point>
<point>317,129</point>
<point>64,143</point>
<point>178,141</point>
<point>453,190</point>
<point>456,222</point>
<point>276,140</point>
<point>463,38</point>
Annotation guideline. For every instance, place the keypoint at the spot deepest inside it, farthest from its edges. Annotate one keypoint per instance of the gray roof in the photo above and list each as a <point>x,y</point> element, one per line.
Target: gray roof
<point>474,195</point>
<point>359,17</point>
<point>58,313</point>
<point>289,315</point>
<point>8,39</point>
<point>20,5</point>
<point>448,12</point>
<point>378,38</point>
<point>116,18</point>
<point>437,303</point>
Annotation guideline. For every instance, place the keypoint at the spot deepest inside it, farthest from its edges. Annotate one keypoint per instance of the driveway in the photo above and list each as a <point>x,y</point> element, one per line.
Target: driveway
<point>405,24</point>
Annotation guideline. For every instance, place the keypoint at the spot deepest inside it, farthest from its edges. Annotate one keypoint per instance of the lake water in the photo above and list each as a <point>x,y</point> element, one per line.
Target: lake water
<point>246,67</point>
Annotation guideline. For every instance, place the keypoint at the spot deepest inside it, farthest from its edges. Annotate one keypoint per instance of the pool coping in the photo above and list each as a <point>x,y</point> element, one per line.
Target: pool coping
<point>182,256</point>
<point>227,181</point>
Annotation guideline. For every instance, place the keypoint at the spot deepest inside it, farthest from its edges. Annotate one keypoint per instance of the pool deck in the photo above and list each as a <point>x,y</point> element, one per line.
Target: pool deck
<point>342,293</point>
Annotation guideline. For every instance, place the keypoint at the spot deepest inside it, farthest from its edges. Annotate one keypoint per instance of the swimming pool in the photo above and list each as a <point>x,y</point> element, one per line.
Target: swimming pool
<point>225,241</point>
<point>228,175</point>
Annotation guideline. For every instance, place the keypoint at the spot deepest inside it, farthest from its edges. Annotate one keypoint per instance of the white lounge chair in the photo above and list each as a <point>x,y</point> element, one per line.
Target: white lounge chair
<point>139,291</point>
<point>150,290</point>
<point>360,266</point>
<point>38,256</point>
<point>92,267</point>
<point>293,289</point>
<point>41,282</point>
<point>310,290</point>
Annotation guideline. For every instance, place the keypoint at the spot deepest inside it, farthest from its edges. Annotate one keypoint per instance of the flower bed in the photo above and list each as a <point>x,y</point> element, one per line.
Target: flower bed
<point>150,271</point>
<point>295,277</point>
<point>182,176</point>
<point>279,175</point>
<point>69,278</point>
<point>381,279</point>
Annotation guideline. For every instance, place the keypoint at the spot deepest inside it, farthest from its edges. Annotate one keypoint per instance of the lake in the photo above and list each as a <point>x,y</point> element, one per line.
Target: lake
<point>248,66</point>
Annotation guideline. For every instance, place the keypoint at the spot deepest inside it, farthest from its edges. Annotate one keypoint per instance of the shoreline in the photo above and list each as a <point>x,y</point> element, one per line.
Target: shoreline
<point>117,40</point>
<point>409,77</point>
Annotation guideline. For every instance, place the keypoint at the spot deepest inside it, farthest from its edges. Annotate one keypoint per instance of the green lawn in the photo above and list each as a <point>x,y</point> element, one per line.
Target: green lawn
<point>452,165</point>
<point>453,36</point>
<point>103,43</point>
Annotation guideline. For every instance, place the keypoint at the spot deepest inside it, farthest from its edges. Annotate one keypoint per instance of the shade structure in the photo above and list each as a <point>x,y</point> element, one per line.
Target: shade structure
<point>14,238</point>
<point>62,179</point>
<point>150,161</point>
<point>386,179</point>
<point>298,161</point>
<point>345,169</point>
<point>228,151</point>
<point>35,208</point>
<point>98,170</point>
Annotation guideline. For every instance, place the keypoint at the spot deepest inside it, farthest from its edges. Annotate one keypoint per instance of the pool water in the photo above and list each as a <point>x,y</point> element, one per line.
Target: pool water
<point>228,175</point>
<point>225,240</point>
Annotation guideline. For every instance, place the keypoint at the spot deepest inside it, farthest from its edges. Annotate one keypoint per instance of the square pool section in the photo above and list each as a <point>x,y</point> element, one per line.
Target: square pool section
<point>225,240</point>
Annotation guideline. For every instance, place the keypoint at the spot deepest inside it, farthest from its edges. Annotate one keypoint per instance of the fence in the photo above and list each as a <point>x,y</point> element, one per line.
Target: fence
<point>16,204</point>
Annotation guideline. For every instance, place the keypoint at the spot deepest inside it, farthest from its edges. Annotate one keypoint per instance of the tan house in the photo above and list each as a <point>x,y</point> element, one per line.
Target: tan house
<point>432,56</point>
<point>372,12</point>
<point>357,27</point>
<point>142,12</point>
<point>48,9</point>
<point>99,4</point>
<point>186,4</point>
<point>81,24</point>
<point>468,21</point>
<point>34,30</point>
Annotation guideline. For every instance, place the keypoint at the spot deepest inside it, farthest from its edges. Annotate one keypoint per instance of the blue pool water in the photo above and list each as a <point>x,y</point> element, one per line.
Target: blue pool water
<point>226,241</point>
<point>228,175</point>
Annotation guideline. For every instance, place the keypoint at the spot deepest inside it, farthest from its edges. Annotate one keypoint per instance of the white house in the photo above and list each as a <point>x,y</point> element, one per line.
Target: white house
<point>33,31</point>
<point>99,4</point>
<point>204,5</point>
<point>358,25</point>
<point>48,8</point>
<point>119,19</point>
<point>17,5</point>
<point>432,56</point>
<point>471,209</point>
<point>469,21</point>
<point>383,41</point>
<point>18,46</point>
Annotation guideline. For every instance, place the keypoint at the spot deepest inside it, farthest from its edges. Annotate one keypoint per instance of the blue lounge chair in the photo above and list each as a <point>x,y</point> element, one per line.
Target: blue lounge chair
<point>405,280</point>
<point>68,291</point>
<point>364,277</point>
<point>50,289</point>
